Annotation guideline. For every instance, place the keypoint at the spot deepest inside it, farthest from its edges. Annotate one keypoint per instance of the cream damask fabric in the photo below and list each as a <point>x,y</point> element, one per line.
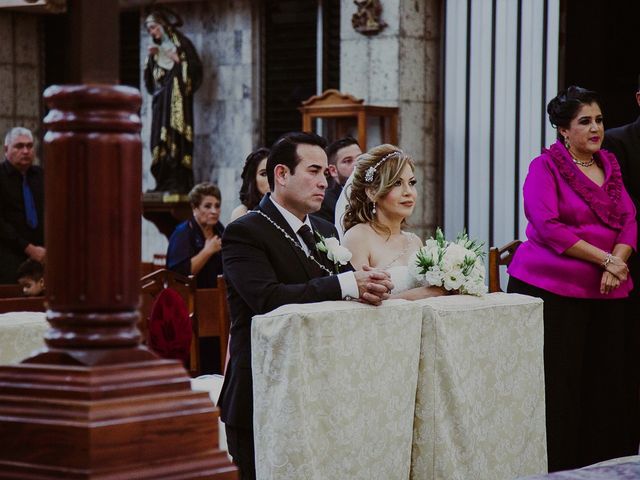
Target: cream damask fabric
<point>21,333</point>
<point>480,405</point>
<point>441,389</point>
<point>334,390</point>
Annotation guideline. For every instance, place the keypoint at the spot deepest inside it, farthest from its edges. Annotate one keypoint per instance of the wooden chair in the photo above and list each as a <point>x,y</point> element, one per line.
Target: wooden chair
<point>150,286</point>
<point>212,315</point>
<point>497,257</point>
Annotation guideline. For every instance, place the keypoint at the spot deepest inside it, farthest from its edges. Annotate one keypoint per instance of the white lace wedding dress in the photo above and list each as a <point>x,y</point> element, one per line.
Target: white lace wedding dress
<point>401,279</point>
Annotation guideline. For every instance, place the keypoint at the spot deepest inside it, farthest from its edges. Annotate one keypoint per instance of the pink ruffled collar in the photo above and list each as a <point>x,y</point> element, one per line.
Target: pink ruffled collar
<point>602,200</point>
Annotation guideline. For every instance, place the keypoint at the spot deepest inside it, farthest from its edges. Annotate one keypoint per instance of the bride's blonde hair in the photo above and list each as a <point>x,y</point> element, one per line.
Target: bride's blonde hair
<point>376,172</point>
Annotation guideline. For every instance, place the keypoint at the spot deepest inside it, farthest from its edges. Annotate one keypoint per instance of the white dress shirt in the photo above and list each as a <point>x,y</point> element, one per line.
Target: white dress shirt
<point>348,284</point>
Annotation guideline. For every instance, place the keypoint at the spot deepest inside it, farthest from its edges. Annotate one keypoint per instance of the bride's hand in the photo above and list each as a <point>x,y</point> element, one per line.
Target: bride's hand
<point>419,293</point>
<point>374,285</point>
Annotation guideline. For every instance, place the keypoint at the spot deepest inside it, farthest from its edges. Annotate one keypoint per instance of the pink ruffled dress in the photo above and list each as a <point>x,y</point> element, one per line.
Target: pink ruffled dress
<point>564,206</point>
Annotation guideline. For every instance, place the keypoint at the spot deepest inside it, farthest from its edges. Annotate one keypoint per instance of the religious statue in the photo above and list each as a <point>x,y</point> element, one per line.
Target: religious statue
<point>172,73</point>
<point>367,19</point>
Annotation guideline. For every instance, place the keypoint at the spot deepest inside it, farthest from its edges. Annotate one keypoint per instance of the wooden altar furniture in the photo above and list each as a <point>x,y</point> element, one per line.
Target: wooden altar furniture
<point>500,256</point>
<point>95,403</point>
<point>22,304</point>
<point>342,115</point>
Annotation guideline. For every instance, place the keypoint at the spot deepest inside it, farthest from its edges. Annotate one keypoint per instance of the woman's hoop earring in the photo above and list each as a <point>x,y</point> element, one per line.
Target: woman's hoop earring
<point>373,209</point>
<point>566,143</point>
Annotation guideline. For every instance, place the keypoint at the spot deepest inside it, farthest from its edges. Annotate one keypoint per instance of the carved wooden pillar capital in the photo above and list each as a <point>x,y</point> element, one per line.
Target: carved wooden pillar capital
<point>92,152</point>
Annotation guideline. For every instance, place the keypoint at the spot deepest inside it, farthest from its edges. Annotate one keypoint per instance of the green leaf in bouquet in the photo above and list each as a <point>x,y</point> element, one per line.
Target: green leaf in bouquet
<point>424,260</point>
<point>442,243</point>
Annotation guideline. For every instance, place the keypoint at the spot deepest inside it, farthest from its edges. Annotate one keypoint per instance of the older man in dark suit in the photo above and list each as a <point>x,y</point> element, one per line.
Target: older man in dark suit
<point>21,205</point>
<point>270,259</point>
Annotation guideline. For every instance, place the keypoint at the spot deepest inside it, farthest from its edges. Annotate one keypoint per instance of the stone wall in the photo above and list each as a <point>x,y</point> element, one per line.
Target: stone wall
<point>20,73</point>
<point>226,106</point>
<point>400,67</point>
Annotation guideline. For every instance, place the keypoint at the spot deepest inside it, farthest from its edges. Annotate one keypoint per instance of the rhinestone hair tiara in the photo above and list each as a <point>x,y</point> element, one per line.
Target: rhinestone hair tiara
<point>371,171</point>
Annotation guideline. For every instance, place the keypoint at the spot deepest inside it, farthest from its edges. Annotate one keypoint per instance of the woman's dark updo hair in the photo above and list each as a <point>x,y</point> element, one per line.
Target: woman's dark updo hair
<point>564,107</point>
<point>250,196</point>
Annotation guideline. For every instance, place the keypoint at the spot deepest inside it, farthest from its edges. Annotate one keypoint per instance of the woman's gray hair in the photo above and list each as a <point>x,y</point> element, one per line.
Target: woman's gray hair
<point>16,132</point>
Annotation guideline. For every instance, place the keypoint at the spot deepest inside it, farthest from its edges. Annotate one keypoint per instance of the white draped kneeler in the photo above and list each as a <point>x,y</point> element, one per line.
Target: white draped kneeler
<point>212,384</point>
<point>444,388</point>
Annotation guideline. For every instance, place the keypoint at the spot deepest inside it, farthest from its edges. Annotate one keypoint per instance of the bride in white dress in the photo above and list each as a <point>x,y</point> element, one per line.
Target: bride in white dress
<point>381,196</point>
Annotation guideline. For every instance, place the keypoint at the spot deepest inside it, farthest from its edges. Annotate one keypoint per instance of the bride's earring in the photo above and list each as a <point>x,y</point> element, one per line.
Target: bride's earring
<point>566,143</point>
<point>373,209</point>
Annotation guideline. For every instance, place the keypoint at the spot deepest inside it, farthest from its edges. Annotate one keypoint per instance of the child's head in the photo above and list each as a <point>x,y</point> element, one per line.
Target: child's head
<point>31,278</point>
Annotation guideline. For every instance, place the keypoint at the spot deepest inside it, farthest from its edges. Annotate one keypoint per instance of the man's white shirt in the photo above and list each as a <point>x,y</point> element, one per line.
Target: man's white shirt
<point>348,284</point>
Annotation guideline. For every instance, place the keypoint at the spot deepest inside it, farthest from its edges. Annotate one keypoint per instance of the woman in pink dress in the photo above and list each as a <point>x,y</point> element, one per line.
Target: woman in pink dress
<point>581,231</point>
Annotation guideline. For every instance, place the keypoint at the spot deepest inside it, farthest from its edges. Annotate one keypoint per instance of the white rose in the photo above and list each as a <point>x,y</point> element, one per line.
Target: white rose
<point>474,287</point>
<point>453,279</point>
<point>336,252</point>
<point>454,255</point>
<point>331,243</point>
<point>433,277</point>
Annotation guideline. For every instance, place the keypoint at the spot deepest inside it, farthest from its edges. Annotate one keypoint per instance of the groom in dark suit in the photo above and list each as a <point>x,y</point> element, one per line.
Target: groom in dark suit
<point>270,259</point>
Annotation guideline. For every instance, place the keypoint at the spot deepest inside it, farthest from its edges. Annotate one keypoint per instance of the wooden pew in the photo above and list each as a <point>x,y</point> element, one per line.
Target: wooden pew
<point>211,315</point>
<point>22,304</point>
<point>150,286</point>
<point>10,290</point>
<point>207,308</point>
<point>147,267</point>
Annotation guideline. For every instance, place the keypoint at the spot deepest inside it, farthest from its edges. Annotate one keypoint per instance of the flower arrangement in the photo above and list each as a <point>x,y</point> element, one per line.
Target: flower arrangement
<point>455,266</point>
<point>335,252</point>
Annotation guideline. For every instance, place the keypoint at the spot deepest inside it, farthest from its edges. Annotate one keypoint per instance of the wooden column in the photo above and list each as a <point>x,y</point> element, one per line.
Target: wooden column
<point>95,404</point>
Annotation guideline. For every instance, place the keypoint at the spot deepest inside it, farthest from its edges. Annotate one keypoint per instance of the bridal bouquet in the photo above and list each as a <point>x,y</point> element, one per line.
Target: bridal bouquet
<point>455,266</point>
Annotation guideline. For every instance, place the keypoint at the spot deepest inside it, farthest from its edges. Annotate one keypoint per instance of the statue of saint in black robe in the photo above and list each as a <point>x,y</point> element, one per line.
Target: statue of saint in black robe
<point>173,72</point>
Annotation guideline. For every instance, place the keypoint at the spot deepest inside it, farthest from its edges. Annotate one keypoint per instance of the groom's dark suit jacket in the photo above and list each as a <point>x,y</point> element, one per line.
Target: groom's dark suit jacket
<point>624,143</point>
<point>264,270</point>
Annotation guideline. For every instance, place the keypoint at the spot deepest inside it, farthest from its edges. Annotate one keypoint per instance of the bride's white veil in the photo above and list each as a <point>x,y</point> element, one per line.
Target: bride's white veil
<point>341,205</point>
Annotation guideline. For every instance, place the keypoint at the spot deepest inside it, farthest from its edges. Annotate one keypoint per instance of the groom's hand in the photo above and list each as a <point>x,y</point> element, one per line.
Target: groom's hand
<point>374,286</point>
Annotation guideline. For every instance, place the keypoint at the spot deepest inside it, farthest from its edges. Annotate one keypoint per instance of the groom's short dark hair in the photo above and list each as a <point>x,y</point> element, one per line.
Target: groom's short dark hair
<point>283,151</point>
